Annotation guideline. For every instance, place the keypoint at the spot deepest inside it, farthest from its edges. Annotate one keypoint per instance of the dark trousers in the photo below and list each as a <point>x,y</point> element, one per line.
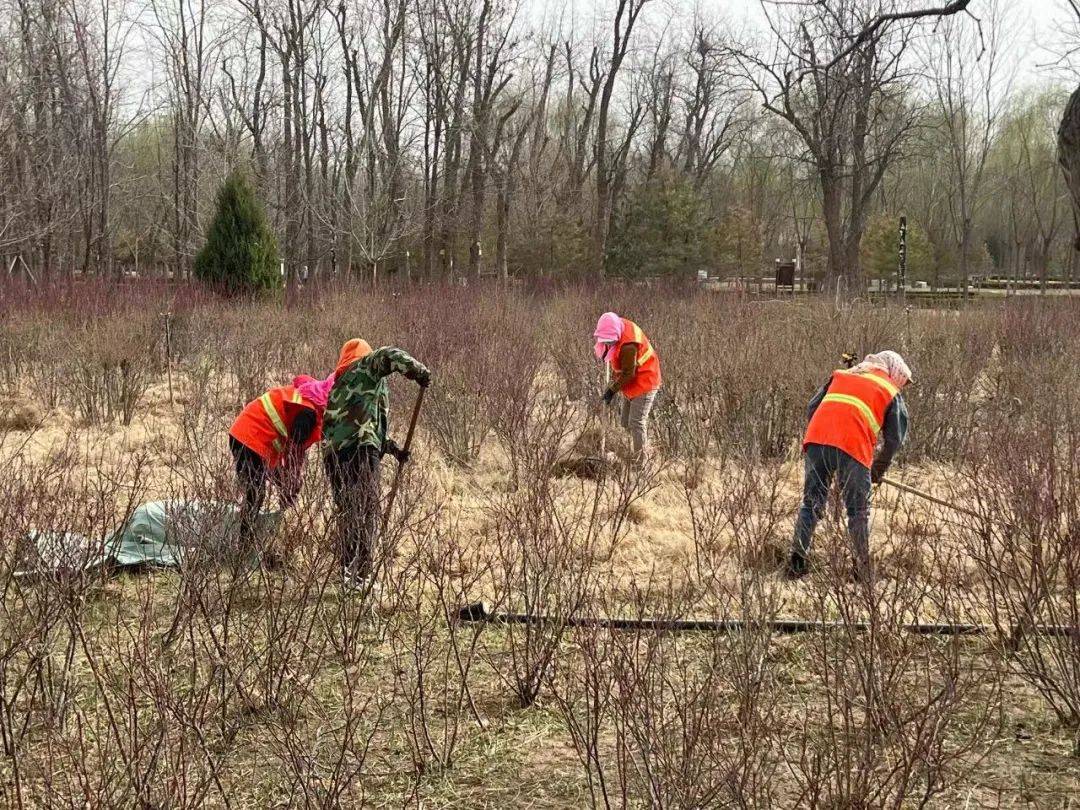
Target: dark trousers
<point>824,463</point>
<point>252,475</point>
<point>354,480</point>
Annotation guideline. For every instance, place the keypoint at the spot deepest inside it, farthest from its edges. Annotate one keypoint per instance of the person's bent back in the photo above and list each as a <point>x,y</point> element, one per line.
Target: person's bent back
<point>848,417</point>
<point>268,442</point>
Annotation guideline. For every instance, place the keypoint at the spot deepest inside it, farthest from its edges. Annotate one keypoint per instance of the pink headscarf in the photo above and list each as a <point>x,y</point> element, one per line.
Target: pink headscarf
<point>891,363</point>
<point>608,330</point>
<point>317,392</point>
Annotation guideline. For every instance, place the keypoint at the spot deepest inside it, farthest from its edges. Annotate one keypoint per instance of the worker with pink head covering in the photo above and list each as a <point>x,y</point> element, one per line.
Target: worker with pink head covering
<point>315,391</point>
<point>269,440</point>
<point>635,367</point>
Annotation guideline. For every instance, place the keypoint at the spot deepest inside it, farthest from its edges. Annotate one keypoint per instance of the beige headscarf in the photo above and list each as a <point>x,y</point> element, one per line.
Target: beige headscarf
<point>888,361</point>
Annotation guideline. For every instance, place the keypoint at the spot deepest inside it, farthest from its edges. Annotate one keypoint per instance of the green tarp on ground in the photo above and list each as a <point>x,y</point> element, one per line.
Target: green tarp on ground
<point>158,533</point>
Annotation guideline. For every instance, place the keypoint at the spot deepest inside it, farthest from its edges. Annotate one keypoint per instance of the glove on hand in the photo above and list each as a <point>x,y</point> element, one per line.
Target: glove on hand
<point>608,396</point>
<point>400,453</point>
<point>422,378</point>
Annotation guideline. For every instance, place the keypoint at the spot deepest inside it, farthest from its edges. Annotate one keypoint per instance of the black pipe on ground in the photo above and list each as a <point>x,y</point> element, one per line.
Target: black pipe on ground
<point>481,612</point>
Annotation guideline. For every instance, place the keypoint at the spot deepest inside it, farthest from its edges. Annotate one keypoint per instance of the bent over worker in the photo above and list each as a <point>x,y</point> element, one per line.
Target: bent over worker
<point>269,440</point>
<point>356,423</point>
<point>635,369</point>
<point>846,418</point>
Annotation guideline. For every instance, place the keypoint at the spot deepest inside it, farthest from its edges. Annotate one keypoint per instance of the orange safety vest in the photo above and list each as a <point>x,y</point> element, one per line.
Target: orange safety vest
<point>264,424</point>
<point>852,413</point>
<point>647,376</point>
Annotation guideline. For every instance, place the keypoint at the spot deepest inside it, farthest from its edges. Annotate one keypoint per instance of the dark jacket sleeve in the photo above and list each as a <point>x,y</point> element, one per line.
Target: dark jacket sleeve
<point>627,366</point>
<point>811,409</point>
<point>893,434</point>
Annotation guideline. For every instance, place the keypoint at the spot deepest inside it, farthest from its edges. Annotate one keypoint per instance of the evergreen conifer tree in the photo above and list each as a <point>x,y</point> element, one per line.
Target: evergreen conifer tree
<point>240,255</point>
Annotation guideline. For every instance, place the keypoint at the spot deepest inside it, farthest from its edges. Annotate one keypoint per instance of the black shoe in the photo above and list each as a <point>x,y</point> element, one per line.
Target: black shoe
<point>798,566</point>
<point>862,573</point>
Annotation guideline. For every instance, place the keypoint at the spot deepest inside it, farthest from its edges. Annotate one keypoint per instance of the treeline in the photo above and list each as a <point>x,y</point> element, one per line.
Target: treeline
<point>459,137</point>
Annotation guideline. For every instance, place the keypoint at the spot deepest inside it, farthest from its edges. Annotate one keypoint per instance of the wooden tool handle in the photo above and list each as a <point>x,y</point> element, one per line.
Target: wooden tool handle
<point>408,445</point>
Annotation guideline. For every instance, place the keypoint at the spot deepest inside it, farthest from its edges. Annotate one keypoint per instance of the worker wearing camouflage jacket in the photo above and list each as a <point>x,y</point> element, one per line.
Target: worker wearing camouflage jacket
<point>847,417</point>
<point>354,431</point>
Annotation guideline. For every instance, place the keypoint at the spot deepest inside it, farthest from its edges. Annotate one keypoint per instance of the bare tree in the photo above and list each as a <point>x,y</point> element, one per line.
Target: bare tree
<point>491,73</point>
<point>837,74</point>
<point>660,109</point>
<point>1069,140</point>
<point>184,33</point>
<point>46,131</point>
<point>513,127</point>
<point>375,95</point>
<point>444,66</point>
<point>970,91</point>
<point>248,95</point>
<point>712,104</point>
<point>100,44</point>
<point>609,161</point>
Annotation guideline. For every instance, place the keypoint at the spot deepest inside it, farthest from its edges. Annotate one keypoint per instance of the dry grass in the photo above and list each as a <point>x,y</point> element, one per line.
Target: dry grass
<point>200,688</point>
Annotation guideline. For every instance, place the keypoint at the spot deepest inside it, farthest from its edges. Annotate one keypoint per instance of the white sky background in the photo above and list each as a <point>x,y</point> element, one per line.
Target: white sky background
<point>1036,42</point>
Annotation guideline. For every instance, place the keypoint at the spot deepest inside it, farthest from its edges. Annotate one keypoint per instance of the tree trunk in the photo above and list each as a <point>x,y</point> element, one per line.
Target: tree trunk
<point>502,224</point>
<point>832,213</point>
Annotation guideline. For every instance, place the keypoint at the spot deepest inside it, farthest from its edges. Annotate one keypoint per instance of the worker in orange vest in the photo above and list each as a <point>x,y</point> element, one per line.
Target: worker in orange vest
<point>269,440</point>
<point>635,369</point>
<point>847,416</point>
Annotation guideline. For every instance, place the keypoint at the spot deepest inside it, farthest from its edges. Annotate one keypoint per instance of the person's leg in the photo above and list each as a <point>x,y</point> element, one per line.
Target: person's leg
<point>855,485</point>
<point>368,492</point>
<point>251,475</point>
<point>817,476</point>
<point>340,472</point>
<point>640,408</point>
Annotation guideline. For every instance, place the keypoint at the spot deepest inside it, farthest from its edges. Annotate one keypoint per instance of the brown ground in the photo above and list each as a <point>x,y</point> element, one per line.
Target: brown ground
<point>524,757</point>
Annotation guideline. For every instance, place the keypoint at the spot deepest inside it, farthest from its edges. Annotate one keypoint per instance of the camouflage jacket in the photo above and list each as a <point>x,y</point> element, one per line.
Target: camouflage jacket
<point>357,413</point>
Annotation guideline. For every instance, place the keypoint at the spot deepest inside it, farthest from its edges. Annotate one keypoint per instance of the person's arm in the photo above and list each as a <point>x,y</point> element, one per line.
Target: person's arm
<point>292,464</point>
<point>893,434</point>
<point>627,368</point>
<point>389,360</point>
<point>811,409</point>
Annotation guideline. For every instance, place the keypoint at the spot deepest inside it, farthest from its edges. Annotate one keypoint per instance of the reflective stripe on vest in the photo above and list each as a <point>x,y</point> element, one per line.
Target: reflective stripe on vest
<point>859,405</point>
<point>276,418</point>
<point>881,381</point>
<point>645,352</point>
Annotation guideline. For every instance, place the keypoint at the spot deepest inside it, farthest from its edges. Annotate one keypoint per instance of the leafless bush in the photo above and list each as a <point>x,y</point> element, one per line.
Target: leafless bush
<point>888,718</point>
<point>434,655</point>
<point>544,559</point>
<point>1023,480</point>
<point>737,515</point>
<point>674,720</point>
<point>165,688</point>
<point>955,381</point>
<point>473,344</point>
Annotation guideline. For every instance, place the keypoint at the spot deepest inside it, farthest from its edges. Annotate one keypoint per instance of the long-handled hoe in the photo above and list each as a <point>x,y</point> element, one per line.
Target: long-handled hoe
<point>407,448</point>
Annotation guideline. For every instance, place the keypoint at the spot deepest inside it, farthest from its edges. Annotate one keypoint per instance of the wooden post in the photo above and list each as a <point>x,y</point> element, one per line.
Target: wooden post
<point>901,276</point>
